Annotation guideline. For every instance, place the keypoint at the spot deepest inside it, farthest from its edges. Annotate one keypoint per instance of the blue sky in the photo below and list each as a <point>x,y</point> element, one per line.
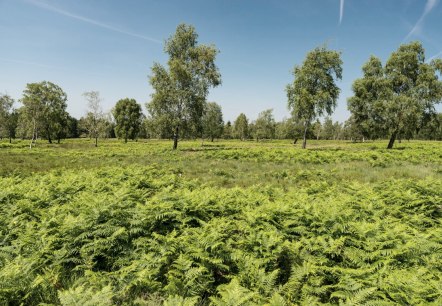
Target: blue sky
<point>110,45</point>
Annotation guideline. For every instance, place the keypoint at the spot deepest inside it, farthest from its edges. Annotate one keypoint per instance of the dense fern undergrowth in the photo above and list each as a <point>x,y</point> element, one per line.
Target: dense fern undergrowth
<point>147,235</point>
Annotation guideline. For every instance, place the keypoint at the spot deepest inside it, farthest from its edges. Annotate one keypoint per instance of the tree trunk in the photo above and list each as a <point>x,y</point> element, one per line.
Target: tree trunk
<point>304,143</point>
<point>10,139</point>
<point>175,138</point>
<point>34,133</point>
<point>213,138</point>
<point>392,139</point>
<point>96,141</point>
<point>295,141</point>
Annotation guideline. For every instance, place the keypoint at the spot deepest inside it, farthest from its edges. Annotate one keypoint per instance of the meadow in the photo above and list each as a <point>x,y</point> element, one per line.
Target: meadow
<point>222,223</point>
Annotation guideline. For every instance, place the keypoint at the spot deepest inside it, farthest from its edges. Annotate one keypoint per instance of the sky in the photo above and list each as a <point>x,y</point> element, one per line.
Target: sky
<point>110,45</point>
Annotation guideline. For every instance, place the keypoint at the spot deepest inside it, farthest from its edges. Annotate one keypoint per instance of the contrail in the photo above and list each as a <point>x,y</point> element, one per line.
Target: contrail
<point>435,56</point>
<point>11,60</point>
<point>418,26</point>
<point>90,21</point>
<point>341,11</point>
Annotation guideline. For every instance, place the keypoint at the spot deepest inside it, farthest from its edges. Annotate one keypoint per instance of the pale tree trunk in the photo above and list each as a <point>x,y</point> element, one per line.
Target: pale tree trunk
<point>304,143</point>
<point>34,132</point>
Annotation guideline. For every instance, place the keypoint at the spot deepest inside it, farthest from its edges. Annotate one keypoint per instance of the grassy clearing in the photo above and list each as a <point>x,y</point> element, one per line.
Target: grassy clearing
<point>235,163</point>
<point>227,223</point>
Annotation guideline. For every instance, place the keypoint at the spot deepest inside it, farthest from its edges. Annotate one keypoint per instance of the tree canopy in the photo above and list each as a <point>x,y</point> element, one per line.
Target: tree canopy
<point>128,118</point>
<point>212,121</point>
<point>45,110</point>
<point>396,98</point>
<point>314,92</point>
<point>180,90</point>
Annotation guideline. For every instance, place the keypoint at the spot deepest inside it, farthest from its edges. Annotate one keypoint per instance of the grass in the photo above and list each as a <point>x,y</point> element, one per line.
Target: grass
<point>224,223</point>
<point>235,163</point>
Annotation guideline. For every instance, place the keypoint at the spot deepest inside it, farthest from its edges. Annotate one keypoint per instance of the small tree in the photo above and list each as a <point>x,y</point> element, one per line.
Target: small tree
<point>128,118</point>
<point>265,125</point>
<point>314,92</point>
<point>241,127</point>
<point>44,107</point>
<point>228,130</point>
<point>94,121</point>
<point>212,121</point>
<point>8,117</point>
<point>180,91</point>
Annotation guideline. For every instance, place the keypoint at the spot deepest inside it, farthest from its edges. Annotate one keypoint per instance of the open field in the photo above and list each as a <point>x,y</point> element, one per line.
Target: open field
<point>226,223</point>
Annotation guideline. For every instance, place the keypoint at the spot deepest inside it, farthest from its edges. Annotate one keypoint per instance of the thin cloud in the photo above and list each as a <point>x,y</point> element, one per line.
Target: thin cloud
<point>417,29</point>
<point>435,56</point>
<point>341,11</point>
<point>54,9</point>
<point>17,61</point>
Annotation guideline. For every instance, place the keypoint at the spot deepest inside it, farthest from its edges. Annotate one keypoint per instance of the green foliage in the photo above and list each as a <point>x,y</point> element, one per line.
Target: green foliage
<point>212,121</point>
<point>396,99</point>
<point>148,235</point>
<point>180,90</point>
<point>128,118</point>
<point>44,110</point>
<point>241,127</point>
<point>264,126</point>
<point>8,117</point>
<point>314,92</point>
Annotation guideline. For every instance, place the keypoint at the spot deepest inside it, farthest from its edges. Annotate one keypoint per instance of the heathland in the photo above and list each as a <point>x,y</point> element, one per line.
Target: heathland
<point>220,223</point>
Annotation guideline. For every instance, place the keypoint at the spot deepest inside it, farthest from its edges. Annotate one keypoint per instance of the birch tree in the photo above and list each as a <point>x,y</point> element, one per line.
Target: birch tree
<point>314,92</point>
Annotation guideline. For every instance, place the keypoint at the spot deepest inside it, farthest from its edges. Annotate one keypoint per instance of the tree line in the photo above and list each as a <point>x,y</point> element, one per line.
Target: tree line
<point>395,101</point>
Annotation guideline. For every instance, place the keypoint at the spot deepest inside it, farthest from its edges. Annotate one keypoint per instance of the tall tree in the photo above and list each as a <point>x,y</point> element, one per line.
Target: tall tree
<point>415,87</point>
<point>180,90</point>
<point>8,117</point>
<point>314,92</point>
<point>94,119</point>
<point>212,121</point>
<point>45,109</point>
<point>241,127</point>
<point>397,99</point>
<point>367,103</point>
<point>128,118</point>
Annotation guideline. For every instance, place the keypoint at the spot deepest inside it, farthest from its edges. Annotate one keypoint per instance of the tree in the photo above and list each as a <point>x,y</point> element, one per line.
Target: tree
<point>328,128</point>
<point>367,103</point>
<point>241,127</point>
<point>432,129</point>
<point>94,122</point>
<point>45,109</point>
<point>212,121</point>
<point>317,129</point>
<point>415,89</point>
<point>265,125</point>
<point>72,128</point>
<point>228,130</point>
<point>397,99</point>
<point>128,118</point>
<point>314,92</point>
<point>180,90</point>
<point>8,117</point>
<point>286,129</point>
